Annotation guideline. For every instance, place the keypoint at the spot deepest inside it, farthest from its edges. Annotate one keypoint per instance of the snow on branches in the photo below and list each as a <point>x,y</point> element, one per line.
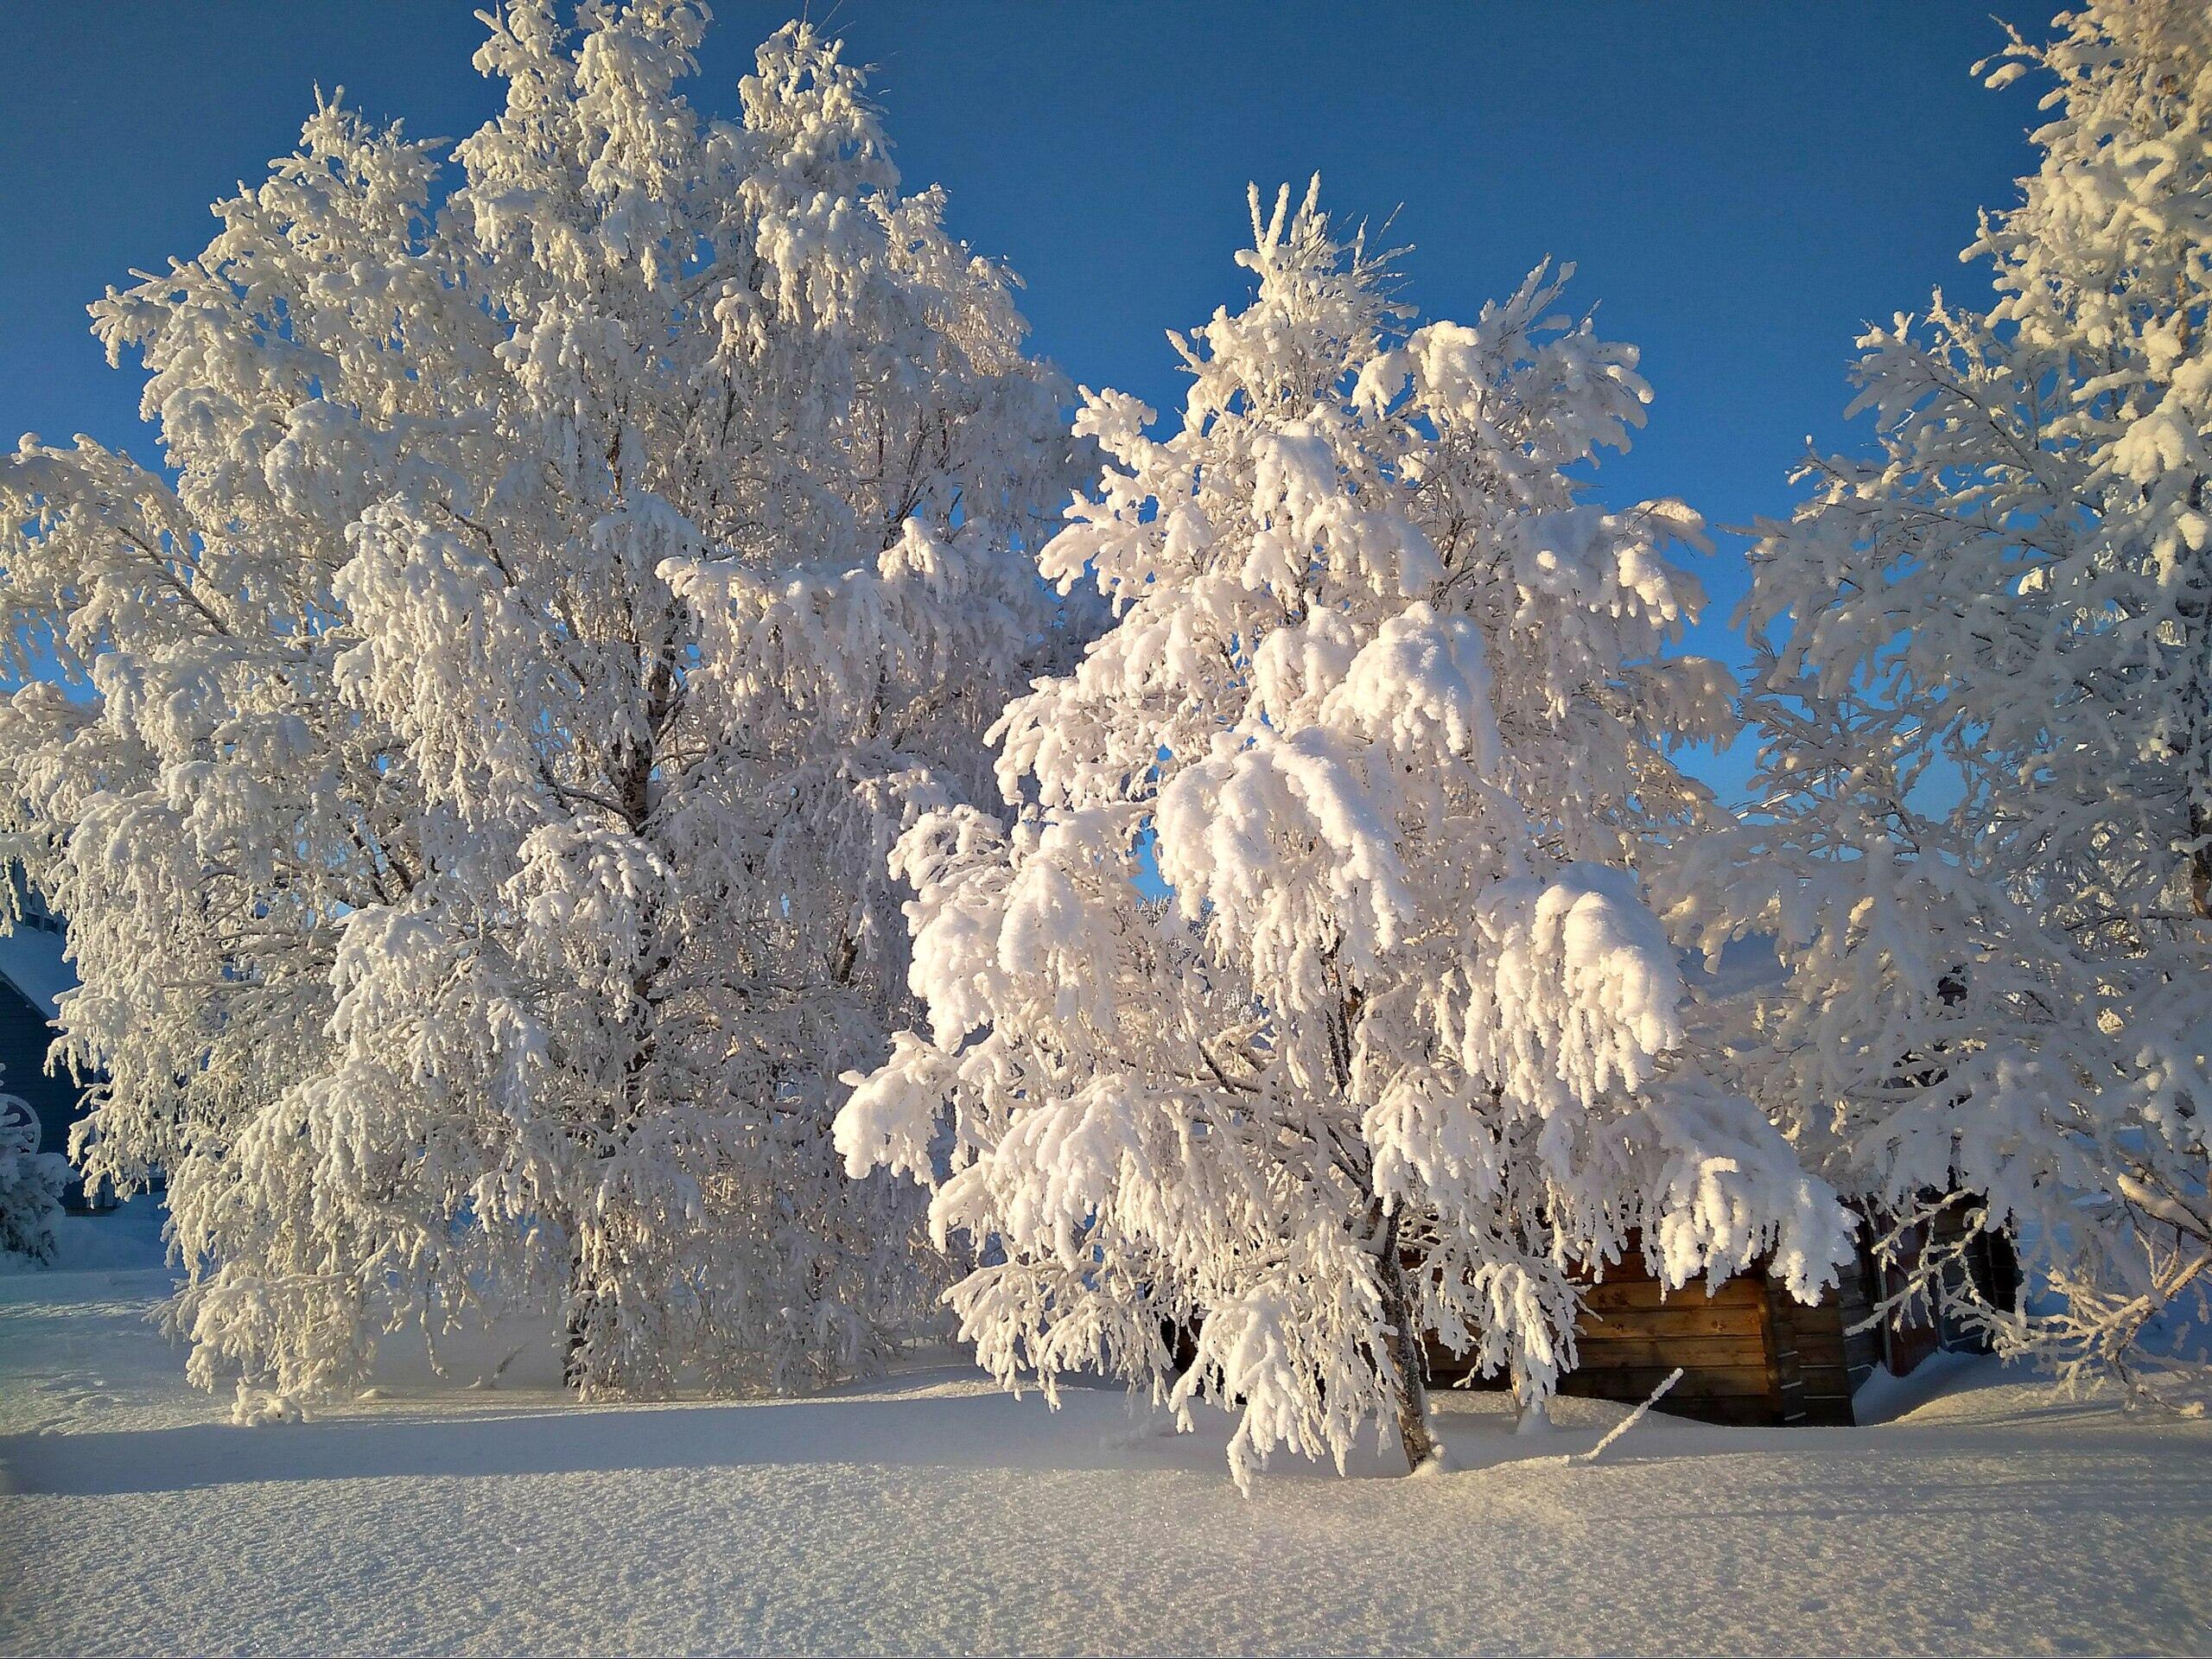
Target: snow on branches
<point>1390,702</point>
<point>31,1186</point>
<point>472,801</point>
<point>1985,847</point>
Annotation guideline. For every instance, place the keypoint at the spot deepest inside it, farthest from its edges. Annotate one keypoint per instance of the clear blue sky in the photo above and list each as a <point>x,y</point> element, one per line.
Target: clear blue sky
<point>1740,185</point>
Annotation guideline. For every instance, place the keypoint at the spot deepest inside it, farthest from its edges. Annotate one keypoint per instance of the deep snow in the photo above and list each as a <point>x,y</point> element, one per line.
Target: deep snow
<point>929,1513</point>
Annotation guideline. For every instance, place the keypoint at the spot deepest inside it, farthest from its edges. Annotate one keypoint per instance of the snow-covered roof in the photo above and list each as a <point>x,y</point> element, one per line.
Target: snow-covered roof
<point>31,961</point>
<point>1749,963</point>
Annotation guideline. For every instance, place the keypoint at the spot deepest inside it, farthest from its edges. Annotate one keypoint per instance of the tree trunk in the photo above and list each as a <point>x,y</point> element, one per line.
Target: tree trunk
<point>575,1372</point>
<point>1406,1355</point>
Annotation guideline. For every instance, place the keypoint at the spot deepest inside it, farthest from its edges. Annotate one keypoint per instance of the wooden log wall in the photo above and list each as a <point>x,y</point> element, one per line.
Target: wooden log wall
<point>1749,1352</point>
<point>1633,1334</point>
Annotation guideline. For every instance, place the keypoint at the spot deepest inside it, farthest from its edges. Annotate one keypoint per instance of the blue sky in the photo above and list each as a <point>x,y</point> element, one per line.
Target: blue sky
<point>1740,186</point>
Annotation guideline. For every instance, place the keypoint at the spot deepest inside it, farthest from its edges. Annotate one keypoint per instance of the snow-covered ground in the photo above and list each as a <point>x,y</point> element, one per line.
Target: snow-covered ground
<point>929,1513</point>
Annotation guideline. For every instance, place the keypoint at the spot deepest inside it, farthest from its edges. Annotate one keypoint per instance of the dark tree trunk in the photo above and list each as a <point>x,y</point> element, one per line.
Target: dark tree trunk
<point>583,1307</point>
<point>1406,1353</point>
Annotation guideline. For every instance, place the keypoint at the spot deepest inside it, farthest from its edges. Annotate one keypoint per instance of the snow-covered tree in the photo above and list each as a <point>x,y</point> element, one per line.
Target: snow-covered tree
<point>1387,700</point>
<point>474,839</point>
<point>1985,844</point>
<point>31,1184</point>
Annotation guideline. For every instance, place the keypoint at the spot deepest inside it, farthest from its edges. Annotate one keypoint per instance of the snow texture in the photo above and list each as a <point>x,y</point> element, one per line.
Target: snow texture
<point>933,1514</point>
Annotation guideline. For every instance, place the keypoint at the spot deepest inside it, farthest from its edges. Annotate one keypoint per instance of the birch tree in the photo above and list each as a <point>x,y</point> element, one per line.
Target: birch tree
<point>1985,841</point>
<point>1388,700</point>
<point>474,839</point>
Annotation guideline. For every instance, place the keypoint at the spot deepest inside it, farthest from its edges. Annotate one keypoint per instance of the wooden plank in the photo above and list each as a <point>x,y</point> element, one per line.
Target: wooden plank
<point>1826,1379</point>
<point>1820,1347</point>
<point>1808,1364</point>
<point>1697,1353</point>
<point>1628,1270</point>
<point>1676,1318</point>
<point>1824,1322</point>
<point>1784,1386</point>
<point>1741,1411</point>
<point>1743,1291</point>
<point>1851,1283</point>
<point>1636,1382</point>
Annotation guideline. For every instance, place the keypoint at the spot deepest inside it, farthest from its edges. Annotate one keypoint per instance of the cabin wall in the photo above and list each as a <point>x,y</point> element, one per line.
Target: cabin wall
<point>1862,1344</point>
<point>1987,1263</point>
<point>1811,1357</point>
<point>1749,1352</point>
<point>1633,1333</point>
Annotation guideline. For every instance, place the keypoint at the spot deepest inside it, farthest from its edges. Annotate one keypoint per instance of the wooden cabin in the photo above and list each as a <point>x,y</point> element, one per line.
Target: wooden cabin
<point>1749,1352</point>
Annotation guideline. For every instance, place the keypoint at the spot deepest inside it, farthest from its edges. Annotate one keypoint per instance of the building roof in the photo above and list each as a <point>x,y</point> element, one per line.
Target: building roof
<point>31,961</point>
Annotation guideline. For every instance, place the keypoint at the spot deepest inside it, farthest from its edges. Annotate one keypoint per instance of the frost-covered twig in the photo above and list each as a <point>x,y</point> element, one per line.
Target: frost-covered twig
<point>1629,1421</point>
